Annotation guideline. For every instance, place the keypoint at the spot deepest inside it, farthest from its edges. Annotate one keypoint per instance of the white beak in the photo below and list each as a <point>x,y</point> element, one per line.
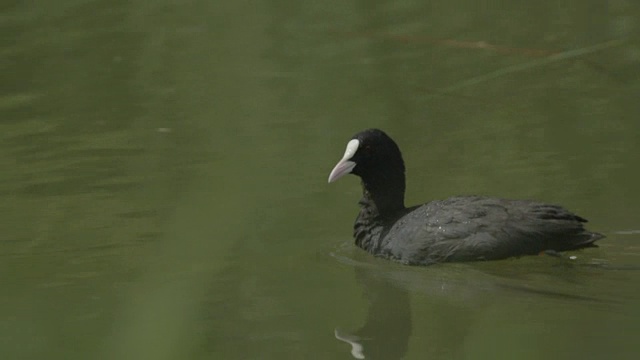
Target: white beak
<point>345,165</point>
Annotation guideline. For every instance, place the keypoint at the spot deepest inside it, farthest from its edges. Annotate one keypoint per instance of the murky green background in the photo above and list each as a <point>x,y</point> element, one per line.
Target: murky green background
<point>163,176</point>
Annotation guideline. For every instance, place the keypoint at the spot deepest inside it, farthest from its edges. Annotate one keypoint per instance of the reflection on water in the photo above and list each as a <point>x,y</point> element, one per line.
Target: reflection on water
<point>466,289</point>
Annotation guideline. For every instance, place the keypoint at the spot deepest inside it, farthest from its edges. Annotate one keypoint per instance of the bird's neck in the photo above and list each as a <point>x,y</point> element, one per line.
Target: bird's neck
<point>382,199</point>
<point>376,213</point>
<point>381,204</point>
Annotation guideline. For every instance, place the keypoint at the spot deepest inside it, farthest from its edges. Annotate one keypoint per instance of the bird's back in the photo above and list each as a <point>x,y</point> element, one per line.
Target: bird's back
<point>478,228</point>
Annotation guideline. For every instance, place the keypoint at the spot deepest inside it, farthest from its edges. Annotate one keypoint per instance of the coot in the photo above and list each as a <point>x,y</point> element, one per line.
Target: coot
<point>461,228</point>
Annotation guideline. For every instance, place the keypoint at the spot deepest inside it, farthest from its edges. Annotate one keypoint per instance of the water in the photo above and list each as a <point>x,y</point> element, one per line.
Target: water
<point>164,177</point>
